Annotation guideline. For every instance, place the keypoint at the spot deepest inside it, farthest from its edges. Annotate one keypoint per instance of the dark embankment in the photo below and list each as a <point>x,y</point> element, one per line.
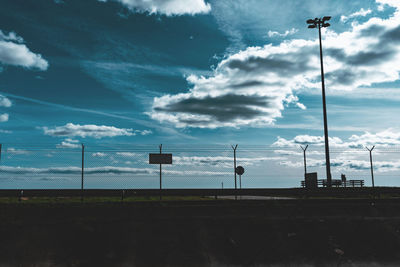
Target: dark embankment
<point>201,233</point>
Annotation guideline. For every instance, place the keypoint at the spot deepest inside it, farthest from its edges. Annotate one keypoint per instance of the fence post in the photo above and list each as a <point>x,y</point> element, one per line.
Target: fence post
<point>372,169</point>
<point>234,167</point>
<point>305,160</point>
<point>160,146</point>
<point>82,173</point>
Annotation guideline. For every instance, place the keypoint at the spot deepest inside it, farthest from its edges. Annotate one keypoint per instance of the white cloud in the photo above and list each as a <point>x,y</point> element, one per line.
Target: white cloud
<point>383,139</point>
<point>343,164</point>
<point>285,34</point>
<point>69,143</point>
<point>14,52</point>
<point>361,13</point>
<point>3,117</point>
<point>306,140</point>
<point>301,106</point>
<point>104,170</point>
<point>387,138</point>
<point>91,130</point>
<point>99,154</point>
<point>167,7</point>
<point>144,132</point>
<point>220,161</point>
<point>15,151</point>
<point>12,36</point>
<point>5,102</point>
<point>253,86</point>
<point>392,3</point>
<point>296,151</point>
<point>126,154</point>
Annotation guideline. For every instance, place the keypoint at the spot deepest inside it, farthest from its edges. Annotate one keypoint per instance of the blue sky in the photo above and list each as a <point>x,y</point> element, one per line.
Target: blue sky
<point>197,72</point>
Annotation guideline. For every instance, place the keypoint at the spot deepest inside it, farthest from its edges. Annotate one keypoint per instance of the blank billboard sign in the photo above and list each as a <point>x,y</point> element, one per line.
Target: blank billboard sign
<point>160,158</point>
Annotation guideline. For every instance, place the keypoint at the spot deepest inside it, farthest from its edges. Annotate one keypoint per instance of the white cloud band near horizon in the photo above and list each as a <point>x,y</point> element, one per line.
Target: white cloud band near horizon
<point>91,130</point>
<point>384,139</point>
<point>72,170</point>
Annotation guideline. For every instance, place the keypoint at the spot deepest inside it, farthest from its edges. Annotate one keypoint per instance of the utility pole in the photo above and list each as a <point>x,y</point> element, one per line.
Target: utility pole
<point>314,23</point>
<point>305,160</point>
<point>234,167</point>
<point>372,169</point>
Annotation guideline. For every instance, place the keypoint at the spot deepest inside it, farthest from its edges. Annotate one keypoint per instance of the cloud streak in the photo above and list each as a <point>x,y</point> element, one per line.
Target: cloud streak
<point>220,161</point>
<point>91,130</point>
<point>166,7</point>
<point>361,13</point>
<point>285,34</point>
<point>70,170</point>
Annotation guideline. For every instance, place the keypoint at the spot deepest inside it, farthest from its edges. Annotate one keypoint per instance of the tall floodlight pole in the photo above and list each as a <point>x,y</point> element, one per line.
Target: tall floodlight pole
<point>322,23</point>
<point>372,169</point>
<point>305,159</point>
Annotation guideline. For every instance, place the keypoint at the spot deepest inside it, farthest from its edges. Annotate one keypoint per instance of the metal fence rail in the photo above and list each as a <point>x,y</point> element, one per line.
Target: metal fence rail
<point>76,166</point>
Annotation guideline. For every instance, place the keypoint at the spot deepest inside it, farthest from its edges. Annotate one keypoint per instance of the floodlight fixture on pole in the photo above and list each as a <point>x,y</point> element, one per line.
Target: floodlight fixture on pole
<point>322,23</point>
<point>305,160</point>
<point>372,169</point>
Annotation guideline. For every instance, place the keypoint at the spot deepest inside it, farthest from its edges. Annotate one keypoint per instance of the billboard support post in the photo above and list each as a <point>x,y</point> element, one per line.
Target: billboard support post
<point>160,158</point>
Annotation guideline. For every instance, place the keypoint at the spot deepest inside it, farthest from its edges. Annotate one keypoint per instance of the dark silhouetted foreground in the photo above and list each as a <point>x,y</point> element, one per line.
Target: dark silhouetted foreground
<point>201,233</point>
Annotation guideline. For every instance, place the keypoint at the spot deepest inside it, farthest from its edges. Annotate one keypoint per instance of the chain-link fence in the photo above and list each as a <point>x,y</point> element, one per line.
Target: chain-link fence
<point>194,166</point>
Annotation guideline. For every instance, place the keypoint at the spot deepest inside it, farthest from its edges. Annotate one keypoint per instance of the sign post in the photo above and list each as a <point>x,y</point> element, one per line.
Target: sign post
<point>239,170</point>
<point>160,159</point>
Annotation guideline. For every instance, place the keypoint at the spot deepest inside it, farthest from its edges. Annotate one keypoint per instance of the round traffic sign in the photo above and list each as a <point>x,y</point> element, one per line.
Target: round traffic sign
<point>239,170</point>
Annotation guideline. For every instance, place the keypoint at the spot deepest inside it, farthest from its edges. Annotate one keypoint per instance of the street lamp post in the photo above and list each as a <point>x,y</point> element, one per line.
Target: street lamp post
<point>322,23</point>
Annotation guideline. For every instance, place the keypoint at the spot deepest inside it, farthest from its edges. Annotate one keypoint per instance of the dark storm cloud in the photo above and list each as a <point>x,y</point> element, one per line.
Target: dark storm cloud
<point>341,77</point>
<point>391,35</point>
<point>336,53</point>
<point>287,65</point>
<point>372,31</point>
<point>376,55</point>
<point>255,83</point>
<point>369,57</point>
<point>223,108</point>
<point>356,166</point>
